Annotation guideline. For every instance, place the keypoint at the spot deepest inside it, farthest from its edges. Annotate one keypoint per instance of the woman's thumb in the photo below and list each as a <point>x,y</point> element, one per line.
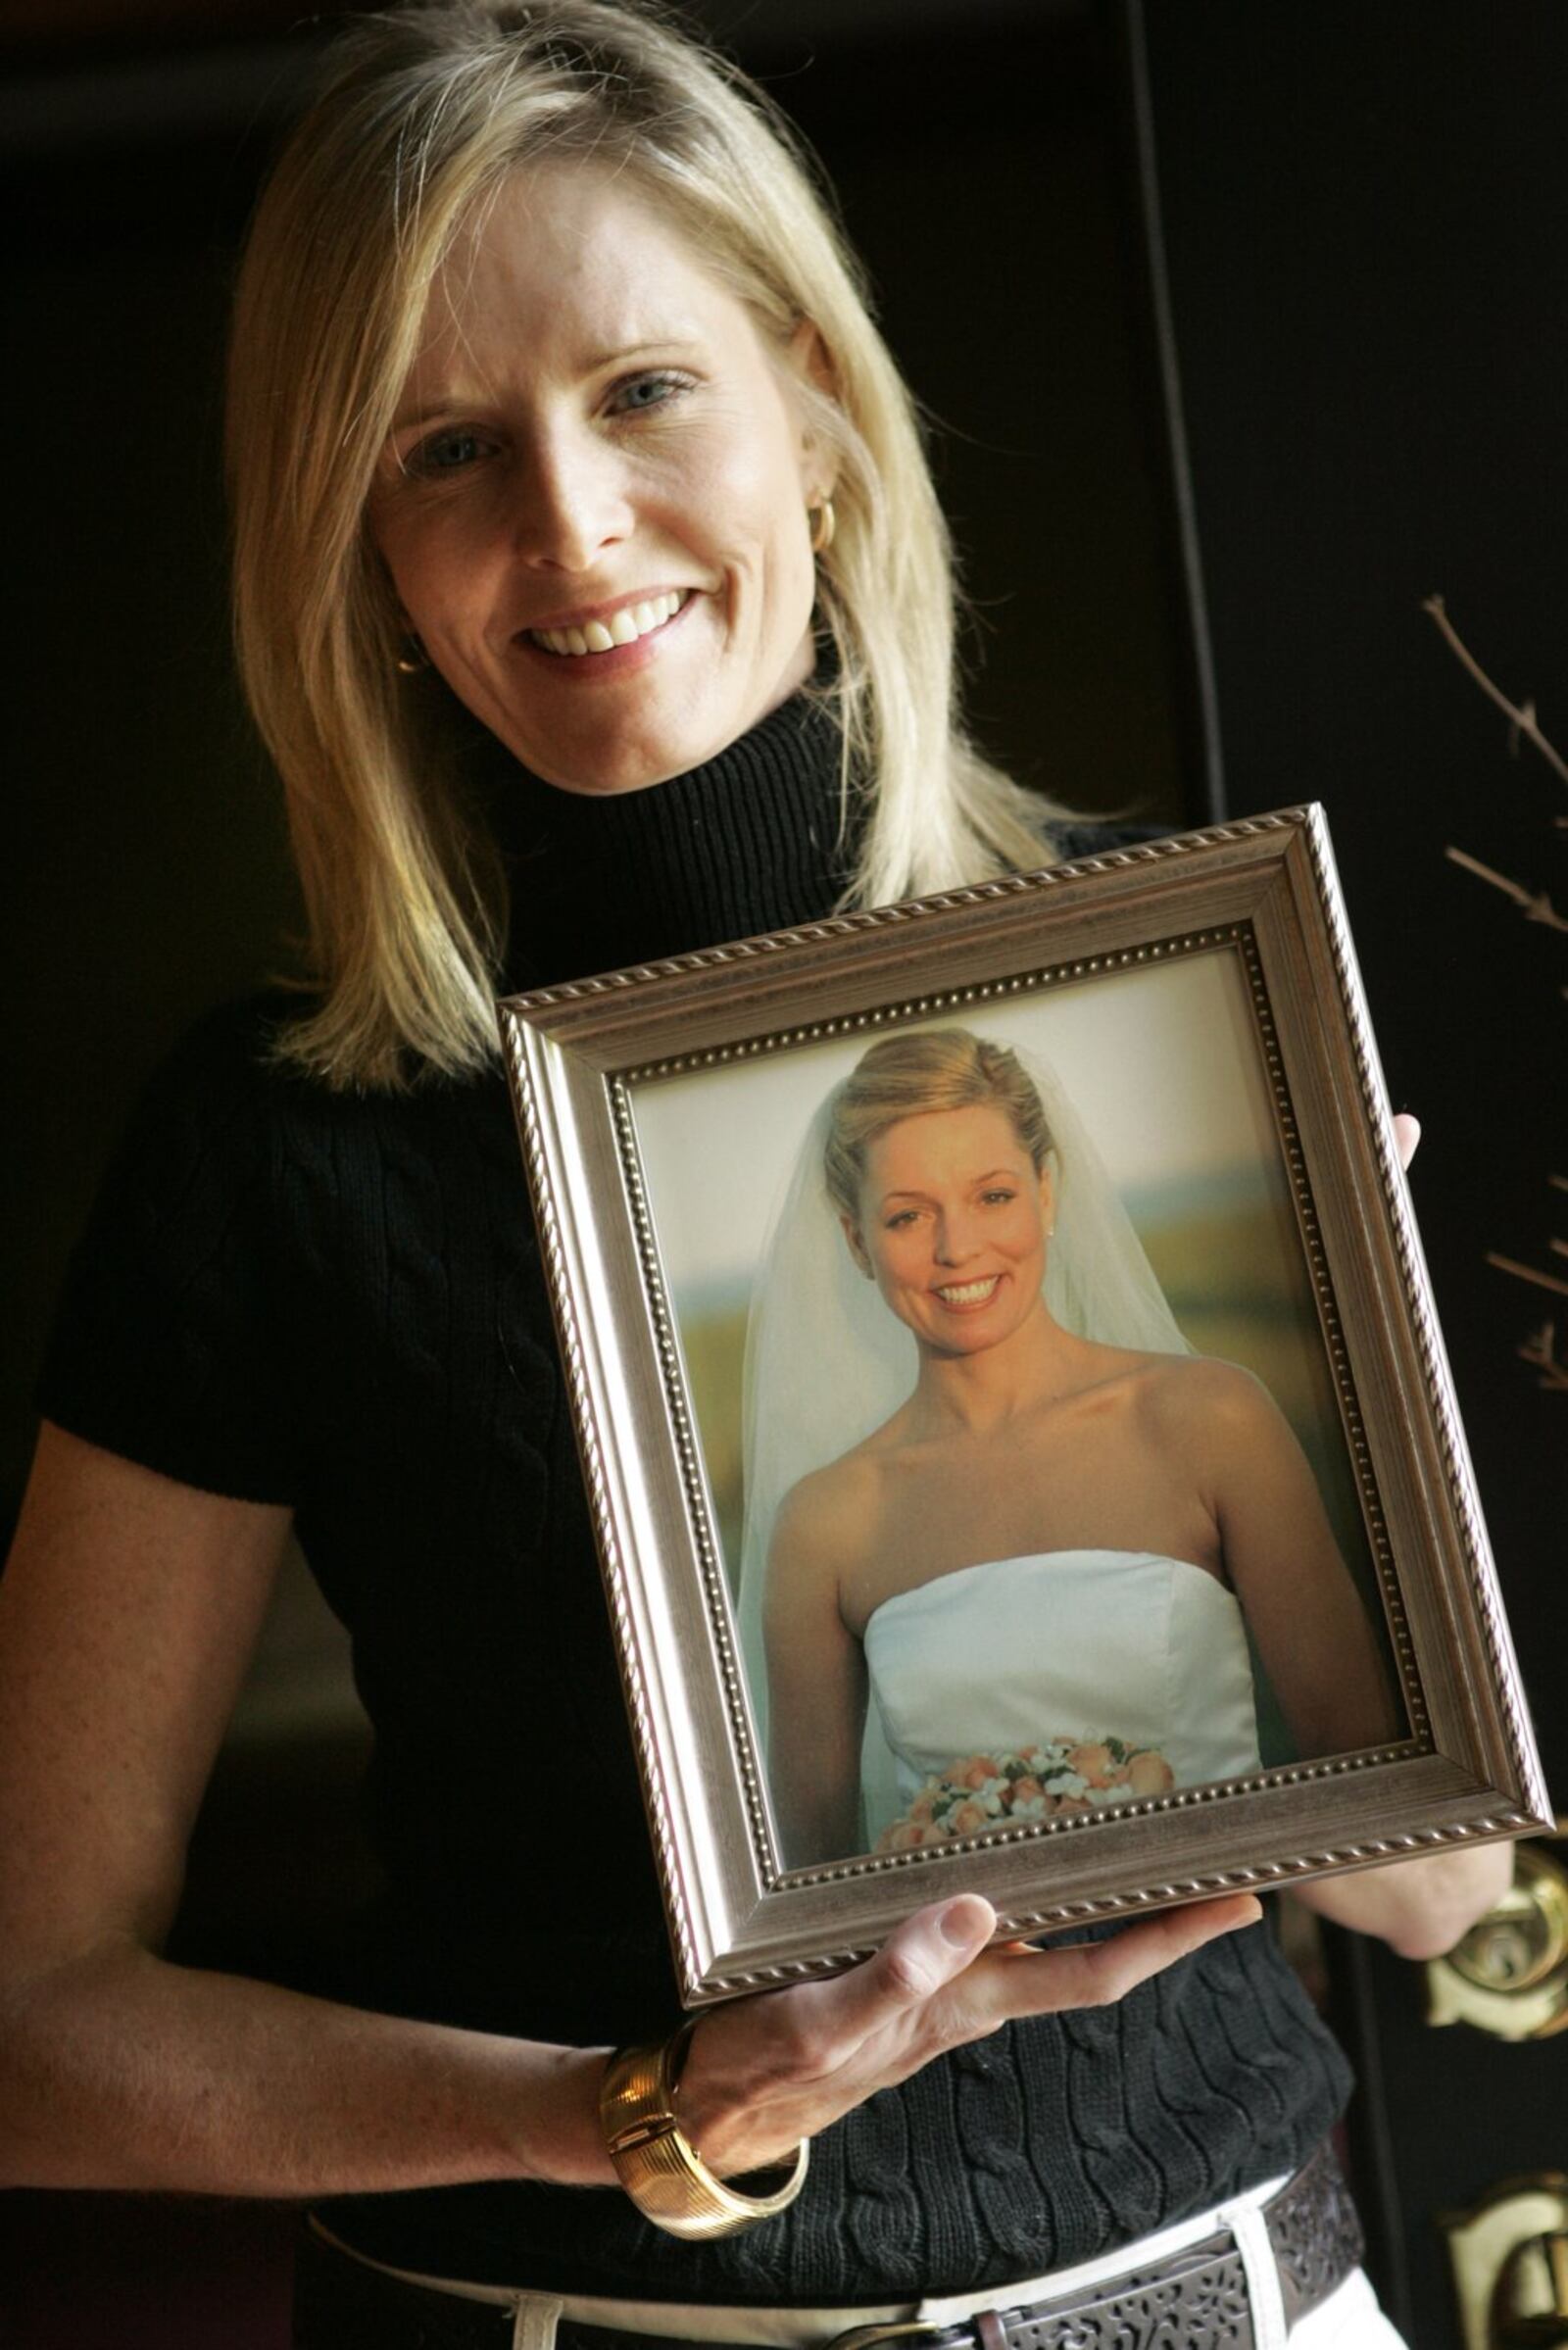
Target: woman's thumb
<point>927,1951</point>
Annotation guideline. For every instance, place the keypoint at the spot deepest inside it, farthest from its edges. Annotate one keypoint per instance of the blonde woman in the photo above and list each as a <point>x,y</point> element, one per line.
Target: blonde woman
<point>1059,1524</point>
<point>592,599</point>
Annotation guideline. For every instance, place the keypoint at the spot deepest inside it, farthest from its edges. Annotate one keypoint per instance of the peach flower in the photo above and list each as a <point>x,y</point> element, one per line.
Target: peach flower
<point>1150,1774</point>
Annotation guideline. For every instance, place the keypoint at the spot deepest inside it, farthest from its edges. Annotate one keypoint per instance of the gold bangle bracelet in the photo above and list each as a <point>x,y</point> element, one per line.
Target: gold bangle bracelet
<point>656,2163</point>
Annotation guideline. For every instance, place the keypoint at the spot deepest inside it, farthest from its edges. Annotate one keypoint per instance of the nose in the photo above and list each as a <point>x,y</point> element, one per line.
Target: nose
<point>955,1238</point>
<point>571,501</point>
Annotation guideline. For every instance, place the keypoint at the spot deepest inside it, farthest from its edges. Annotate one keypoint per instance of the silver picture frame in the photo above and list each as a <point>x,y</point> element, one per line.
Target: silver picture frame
<point>1251,908</point>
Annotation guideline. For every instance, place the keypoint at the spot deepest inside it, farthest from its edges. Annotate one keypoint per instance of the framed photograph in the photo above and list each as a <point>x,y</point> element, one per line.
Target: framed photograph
<point>1019,1440</point>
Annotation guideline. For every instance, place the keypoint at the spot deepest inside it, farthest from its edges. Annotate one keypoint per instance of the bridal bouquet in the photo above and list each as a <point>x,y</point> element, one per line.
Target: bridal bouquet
<point>1036,1783</point>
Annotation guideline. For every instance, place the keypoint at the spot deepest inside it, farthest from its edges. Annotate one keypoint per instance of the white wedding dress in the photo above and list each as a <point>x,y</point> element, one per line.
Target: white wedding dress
<point>1076,1644</point>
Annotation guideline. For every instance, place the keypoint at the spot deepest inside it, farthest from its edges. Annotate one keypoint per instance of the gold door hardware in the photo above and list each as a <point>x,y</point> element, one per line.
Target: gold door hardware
<point>1510,2265</point>
<point>1509,1974</point>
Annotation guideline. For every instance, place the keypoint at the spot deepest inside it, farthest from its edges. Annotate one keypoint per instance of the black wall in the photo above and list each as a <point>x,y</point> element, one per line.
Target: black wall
<point>1366,214</point>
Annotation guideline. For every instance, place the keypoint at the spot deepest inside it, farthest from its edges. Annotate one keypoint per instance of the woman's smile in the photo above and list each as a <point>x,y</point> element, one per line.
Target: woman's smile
<point>963,1296</point>
<point>953,1226</point>
<point>610,625</point>
<point>593,504</point>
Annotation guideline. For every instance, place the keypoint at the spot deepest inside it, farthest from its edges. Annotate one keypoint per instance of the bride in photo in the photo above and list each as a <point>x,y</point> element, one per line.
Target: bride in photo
<point>1006,1534</point>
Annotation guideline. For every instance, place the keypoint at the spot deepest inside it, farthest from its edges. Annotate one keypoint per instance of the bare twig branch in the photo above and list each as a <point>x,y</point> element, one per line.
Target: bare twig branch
<point>1541,1352</point>
<point>1537,905</point>
<point>1521,716</point>
<point>1543,1281</point>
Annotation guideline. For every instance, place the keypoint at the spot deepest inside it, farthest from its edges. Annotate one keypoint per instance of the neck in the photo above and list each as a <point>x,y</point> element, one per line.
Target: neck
<point>762,837</point>
<point>978,1395</point>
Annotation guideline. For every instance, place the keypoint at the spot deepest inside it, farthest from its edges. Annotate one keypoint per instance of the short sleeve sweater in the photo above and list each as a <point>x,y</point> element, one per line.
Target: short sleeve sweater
<point>337,1301</point>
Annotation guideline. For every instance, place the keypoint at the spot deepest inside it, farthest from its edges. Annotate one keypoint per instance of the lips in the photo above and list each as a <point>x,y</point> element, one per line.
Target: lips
<point>637,617</point>
<point>961,1295</point>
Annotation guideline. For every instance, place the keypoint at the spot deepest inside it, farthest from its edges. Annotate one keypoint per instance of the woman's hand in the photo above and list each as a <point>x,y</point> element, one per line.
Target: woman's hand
<point>1420,1908</point>
<point>765,2073</point>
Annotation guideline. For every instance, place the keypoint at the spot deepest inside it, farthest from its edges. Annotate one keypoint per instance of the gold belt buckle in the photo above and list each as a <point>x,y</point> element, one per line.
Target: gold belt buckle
<point>865,2337</point>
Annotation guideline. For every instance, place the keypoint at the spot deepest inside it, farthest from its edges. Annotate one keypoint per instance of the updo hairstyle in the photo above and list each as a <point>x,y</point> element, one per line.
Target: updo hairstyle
<point>907,1076</point>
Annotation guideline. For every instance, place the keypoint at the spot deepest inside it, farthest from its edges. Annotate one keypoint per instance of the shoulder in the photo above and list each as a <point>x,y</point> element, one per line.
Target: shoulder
<point>1197,1397</point>
<point>224,1068</point>
<point>820,1519</point>
<point>231,1075</point>
<point>233,1155</point>
<point>238,1038</point>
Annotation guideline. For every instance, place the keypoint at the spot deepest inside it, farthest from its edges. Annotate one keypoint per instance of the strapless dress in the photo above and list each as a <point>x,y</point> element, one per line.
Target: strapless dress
<point>1076,1645</point>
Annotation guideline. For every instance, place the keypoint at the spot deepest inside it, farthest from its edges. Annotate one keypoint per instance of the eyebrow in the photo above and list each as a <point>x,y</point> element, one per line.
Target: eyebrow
<point>407,418</point>
<point>619,354</point>
<point>445,401</point>
<point>975,1181</point>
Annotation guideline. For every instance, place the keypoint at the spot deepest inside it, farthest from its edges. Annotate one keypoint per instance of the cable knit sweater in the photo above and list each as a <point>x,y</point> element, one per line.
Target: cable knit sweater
<point>337,1301</point>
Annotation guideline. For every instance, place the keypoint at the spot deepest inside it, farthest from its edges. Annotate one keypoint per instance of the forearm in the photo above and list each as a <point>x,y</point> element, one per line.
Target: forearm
<point>121,2071</point>
<point>1420,1908</point>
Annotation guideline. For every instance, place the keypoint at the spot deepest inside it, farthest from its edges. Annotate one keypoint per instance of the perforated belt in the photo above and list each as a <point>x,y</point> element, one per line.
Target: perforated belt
<point>1197,2298</point>
<point>1193,2299</point>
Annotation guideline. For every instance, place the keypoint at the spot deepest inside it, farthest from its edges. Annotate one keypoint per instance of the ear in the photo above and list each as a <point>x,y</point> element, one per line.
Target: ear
<point>857,1247</point>
<point>1048,1196</point>
<point>807,360</point>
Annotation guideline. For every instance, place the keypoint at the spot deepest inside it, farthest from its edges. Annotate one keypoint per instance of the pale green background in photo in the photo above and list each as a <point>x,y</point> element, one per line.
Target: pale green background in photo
<point>1164,1066</point>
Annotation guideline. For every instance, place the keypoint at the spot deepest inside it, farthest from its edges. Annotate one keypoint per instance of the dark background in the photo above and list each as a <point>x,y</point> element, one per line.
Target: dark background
<point>1362,216</point>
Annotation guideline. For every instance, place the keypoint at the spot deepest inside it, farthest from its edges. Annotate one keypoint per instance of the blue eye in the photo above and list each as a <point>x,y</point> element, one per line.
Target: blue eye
<point>444,452</point>
<point>642,393</point>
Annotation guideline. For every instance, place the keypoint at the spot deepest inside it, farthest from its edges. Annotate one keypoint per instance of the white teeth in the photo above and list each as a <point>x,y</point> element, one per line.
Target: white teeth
<point>968,1292</point>
<point>623,627</point>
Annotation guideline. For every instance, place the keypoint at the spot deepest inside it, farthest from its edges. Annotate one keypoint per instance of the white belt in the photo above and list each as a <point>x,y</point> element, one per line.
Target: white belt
<point>537,2315</point>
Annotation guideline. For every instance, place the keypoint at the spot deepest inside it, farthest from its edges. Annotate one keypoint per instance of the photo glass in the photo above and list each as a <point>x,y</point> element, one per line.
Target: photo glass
<point>1068,1673</point>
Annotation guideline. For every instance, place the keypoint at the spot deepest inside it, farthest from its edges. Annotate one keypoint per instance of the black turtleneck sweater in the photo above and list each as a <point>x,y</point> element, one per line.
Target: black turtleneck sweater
<point>337,1301</point>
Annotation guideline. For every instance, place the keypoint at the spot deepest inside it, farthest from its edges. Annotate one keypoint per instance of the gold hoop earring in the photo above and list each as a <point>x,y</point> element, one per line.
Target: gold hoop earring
<point>415,659</point>
<point>822,522</point>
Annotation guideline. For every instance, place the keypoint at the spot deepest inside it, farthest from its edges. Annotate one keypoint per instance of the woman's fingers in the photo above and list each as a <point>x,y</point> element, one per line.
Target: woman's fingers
<point>769,2071</point>
<point>764,2072</point>
<point>1407,1135</point>
<point>845,2037</point>
<point>1022,1982</point>
<point>915,1965</point>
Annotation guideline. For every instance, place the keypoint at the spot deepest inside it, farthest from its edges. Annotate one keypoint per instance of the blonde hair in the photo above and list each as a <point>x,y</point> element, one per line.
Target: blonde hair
<point>909,1076</point>
<point>426,110</point>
